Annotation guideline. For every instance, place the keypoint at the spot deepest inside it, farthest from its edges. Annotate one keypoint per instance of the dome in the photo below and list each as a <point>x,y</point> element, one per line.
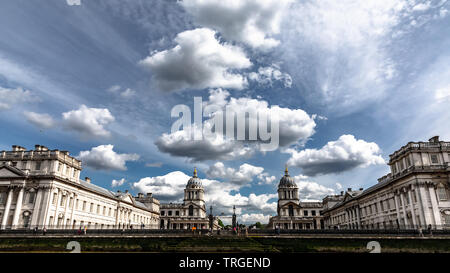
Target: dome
<point>287,181</point>
<point>194,181</point>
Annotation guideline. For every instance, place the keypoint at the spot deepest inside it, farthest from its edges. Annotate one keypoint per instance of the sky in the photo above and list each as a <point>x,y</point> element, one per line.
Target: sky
<point>349,81</point>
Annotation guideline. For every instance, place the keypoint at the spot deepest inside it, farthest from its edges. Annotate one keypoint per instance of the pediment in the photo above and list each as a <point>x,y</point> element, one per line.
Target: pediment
<point>7,171</point>
<point>127,198</point>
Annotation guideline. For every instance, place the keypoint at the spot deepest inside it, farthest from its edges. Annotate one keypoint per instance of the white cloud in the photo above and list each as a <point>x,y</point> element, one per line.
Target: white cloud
<point>88,121</point>
<point>309,190</point>
<point>104,158</point>
<point>253,218</point>
<point>422,6</point>
<point>338,186</point>
<point>442,94</point>
<point>295,125</point>
<point>73,2</point>
<point>242,176</point>
<point>221,195</point>
<point>117,89</point>
<point>337,156</point>
<point>44,121</point>
<point>198,61</point>
<point>117,183</point>
<point>10,97</point>
<point>270,74</point>
<point>249,21</point>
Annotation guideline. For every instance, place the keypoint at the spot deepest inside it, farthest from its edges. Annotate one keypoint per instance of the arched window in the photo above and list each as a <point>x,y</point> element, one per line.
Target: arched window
<point>291,210</point>
<point>191,210</point>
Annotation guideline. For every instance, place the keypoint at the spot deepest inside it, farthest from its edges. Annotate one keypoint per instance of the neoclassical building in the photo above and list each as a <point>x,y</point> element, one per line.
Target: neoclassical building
<point>189,214</point>
<point>42,187</point>
<point>414,194</point>
<point>293,214</point>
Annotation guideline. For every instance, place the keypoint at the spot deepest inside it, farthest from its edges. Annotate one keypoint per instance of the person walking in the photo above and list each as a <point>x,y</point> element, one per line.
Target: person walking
<point>85,230</point>
<point>44,231</point>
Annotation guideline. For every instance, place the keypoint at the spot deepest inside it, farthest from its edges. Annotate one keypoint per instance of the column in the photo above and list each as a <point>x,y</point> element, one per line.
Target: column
<point>46,210</point>
<point>404,209</point>
<point>36,208</point>
<point>358,217</point>
<point>117,216</point>
<point>55,216</point>
<point>7,207</point>
<point>66,207</point>
<point>74,196</point>
<point>434,205</point>
<point>411,206</point>
<point>420,205</point>
<point>397,208</point>
<point>428,220</point>
<point>18,209</point>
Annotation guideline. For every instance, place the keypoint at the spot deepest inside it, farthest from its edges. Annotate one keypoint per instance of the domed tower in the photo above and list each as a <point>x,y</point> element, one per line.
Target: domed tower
<point>194,192</point>
<point>287,190</point>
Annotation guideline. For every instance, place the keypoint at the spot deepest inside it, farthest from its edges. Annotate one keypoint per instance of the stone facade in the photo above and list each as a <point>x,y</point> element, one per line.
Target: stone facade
<point>291,213</point>
<point>42,187</point>
<point>415,194</point>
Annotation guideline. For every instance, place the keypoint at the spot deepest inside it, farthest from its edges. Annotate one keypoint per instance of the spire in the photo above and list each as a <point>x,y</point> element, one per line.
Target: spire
<point>286,172</point>
<point>195,172</point>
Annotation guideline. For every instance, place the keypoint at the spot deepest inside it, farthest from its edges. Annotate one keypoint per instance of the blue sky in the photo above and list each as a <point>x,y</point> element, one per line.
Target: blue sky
<point>353,81</point>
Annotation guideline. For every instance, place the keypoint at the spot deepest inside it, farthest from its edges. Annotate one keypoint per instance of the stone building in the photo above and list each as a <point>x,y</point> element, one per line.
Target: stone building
<point>291,213</point>
<point>414,194</point>
<point>42,187</point>
<point>189,214</point>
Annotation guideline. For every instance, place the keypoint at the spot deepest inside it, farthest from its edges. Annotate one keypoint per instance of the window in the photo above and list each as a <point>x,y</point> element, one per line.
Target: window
<point>170,213</point>
<point>2,197</point>
<point>63,200</point>
<point>313,213</point>
<point>109,212</point>
<point>408,161</point>
<point>84,205</point>
<point>305,213</point>
<point>442,193</point>
<point>71,202</point>
<point>38,165</point>
<point>394,168</point>
<point>447,219</point>
<point>291,210</point>
<point>55,198</point>
<point>59,166</point>
<point>30,197</point>
<point>163,213</point>
<point>401,164</point>
<point>98,209</point>
<point>434,159</point>
<point>177,213</point>
<point>191,210</point>
<point>92,207</point>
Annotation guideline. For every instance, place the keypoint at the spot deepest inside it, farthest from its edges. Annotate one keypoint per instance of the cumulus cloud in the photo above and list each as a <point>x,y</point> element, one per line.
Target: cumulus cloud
<point>221,195</point>
<point>252,22</point>
<point>253,218</point>
<point>269,75</point>
<point>310,190</point>
<point>88,121</point>
<point>122,92</point>
<point>10,97</point>
<point>44,121</point>
<point>117,183</point>
<point>103,157</point>
<point>295,125</point>
<point>198,61</point>
<point>242,176</point>
<point>337,156</point>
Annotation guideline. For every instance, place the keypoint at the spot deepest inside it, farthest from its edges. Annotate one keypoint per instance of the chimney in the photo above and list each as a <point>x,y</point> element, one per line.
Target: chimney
<point>361,189</point>
<point>17,148</point>
<point>342,192</point>
<point>126,191</point>
<point>87,179</point>
<point>140,195</point>
<point>434,139</point>
<point>37,147</point>
<point>149,194</point>
<point>349,189</point>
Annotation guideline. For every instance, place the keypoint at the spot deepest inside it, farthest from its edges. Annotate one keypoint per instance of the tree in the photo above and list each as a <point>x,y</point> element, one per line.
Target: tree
<point>258,225</point>
<point>219,222</point>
